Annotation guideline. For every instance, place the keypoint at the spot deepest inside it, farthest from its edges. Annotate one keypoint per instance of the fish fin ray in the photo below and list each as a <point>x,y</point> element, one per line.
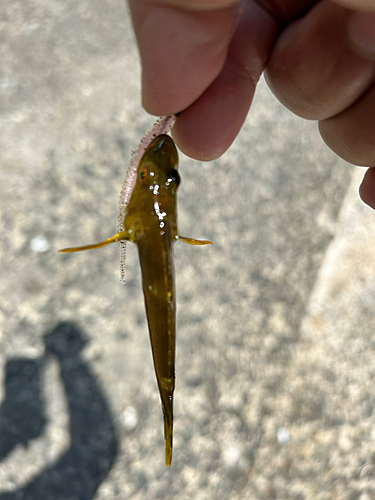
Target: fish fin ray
<point>192,241</point>
<point>117,237</point>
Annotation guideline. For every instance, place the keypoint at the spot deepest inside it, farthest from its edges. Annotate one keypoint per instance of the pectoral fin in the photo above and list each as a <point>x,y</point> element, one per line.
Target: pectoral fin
<point>192,241</point>
<point>117,237</point>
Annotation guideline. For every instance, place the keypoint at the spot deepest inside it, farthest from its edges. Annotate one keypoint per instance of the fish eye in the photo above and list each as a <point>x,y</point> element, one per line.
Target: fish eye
<point>174,176</point>
<point>143,174</point>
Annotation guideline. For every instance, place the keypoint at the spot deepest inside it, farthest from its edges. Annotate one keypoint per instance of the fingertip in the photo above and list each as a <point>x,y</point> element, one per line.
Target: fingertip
<point>351,133</point>
<point>195,143</point>
<point>367,188</point>
<point>182,53</point>
<point>206,129</point>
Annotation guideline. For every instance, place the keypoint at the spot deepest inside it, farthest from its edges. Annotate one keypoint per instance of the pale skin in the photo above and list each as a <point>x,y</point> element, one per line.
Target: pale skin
<point>205,57</point>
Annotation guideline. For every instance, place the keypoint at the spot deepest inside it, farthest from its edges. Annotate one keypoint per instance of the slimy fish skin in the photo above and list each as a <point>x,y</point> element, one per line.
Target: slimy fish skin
<point>148,218</point>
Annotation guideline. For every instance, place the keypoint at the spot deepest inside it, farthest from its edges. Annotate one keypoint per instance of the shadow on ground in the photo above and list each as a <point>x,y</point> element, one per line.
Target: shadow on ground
<point>80,471</point>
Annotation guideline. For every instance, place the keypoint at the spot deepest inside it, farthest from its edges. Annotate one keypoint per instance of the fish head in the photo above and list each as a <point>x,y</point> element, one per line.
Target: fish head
<point>157,170</point>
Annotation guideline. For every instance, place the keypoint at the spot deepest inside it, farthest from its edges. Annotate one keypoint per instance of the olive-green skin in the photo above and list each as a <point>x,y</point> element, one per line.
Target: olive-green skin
<point>150,221</point>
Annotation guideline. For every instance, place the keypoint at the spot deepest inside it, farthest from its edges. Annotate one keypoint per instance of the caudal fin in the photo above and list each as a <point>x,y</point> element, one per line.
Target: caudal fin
<point>168,430</point>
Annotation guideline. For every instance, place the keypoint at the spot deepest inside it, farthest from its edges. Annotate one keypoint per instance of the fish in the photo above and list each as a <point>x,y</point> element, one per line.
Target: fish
<point>148,218</point>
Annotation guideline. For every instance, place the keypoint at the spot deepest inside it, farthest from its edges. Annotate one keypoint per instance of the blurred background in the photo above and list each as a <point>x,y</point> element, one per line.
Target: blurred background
<point>275,344</point>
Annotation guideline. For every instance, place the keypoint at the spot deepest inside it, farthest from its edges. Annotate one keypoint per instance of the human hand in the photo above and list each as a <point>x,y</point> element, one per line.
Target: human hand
<point>205,57</point>
<point>322,68</point>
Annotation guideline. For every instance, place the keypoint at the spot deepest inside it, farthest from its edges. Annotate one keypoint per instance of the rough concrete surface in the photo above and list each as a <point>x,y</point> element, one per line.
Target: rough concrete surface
<point>275,351</point>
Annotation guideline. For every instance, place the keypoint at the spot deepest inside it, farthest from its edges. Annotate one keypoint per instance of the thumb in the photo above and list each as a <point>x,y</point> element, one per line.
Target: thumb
<point>183,46</point>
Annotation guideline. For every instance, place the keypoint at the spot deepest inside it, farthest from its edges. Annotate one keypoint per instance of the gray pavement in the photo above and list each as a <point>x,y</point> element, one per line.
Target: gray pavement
<point>275,351</point>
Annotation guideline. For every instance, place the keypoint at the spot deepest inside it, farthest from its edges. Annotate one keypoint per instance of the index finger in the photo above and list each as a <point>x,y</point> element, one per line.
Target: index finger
<point>367,5</point>
<point>182,51</point>
<point>198,4</point>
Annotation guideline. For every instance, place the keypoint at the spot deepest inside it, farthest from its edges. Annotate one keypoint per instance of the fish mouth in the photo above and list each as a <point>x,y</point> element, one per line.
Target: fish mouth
<point>162,154</point>
<point>162,143</point>
<point>159,145</point>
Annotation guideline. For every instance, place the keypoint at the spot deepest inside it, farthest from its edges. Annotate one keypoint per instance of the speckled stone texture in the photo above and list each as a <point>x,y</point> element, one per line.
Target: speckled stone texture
<point>275,348</point>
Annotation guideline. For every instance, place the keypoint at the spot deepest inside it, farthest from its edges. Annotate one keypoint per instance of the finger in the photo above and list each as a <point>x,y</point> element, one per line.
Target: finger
<point>361,33</point>
<point>313,70</point>
<point>182,53</point>
<point>351,134</point>
<point>366,5</point>
<point>177,75</point>
<point>367,188</point>
<point>208,127</point>
<point>197,4</point>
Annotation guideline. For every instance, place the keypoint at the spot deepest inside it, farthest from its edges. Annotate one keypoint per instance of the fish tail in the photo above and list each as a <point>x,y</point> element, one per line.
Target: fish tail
<point>168,430</point>
<point>117,237</point>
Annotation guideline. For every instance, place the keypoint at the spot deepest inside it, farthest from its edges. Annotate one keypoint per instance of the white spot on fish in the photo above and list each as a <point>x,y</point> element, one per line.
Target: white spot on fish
<point>160,214</point>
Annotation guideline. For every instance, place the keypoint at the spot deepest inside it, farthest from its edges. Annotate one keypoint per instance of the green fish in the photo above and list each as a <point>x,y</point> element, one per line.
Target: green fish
<point>148,218</point>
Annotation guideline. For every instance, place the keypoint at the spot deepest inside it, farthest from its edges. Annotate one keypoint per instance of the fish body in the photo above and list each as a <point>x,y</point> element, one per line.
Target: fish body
<point>149,220</point>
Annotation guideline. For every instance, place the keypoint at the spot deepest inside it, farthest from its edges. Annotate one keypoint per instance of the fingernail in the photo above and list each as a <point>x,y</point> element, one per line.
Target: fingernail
<point>361,33</point>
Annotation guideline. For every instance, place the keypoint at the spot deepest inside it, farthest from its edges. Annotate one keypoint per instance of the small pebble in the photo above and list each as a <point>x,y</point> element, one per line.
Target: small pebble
<point>39,244</point>
<point>129,418</point>
<point>231,456</point>
<point>283,436</point>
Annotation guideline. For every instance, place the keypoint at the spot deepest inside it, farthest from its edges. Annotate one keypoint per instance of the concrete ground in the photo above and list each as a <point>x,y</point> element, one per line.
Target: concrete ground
<point>276,348</point>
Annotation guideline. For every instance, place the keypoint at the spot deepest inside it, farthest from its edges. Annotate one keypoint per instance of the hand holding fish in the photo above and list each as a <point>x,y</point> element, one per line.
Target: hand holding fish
<point>318,57</point>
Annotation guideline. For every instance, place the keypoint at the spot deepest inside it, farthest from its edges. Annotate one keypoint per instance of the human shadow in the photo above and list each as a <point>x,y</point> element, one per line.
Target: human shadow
<point>80,471</point>
<point>21,413</point>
